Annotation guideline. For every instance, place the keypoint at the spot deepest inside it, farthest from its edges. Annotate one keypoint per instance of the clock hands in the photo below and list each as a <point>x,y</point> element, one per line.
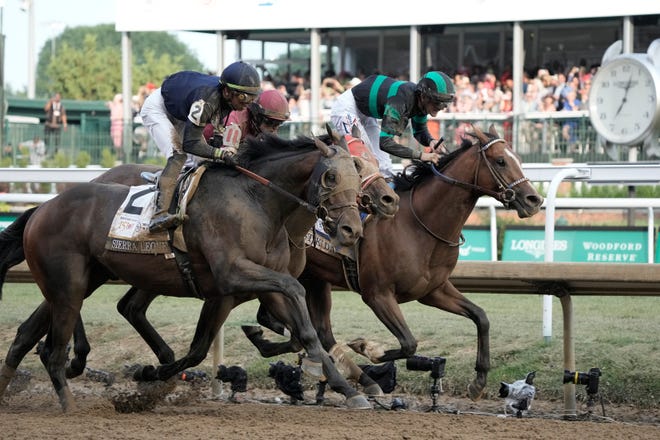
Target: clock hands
<point>625,95</point>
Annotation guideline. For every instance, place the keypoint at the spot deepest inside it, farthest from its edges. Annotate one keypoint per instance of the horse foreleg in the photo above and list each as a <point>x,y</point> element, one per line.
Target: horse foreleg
<point>387,310</point>
<point>133,306</point>
<point>319,302</point>
<point>451,300</point>
<point>27,336</point>
<point>268,284</point>
<point>281,308</point>
<point>211,317</point>
<point>266,347</point>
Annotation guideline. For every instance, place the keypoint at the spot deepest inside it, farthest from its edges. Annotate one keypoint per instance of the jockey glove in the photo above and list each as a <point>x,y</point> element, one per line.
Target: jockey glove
<point>225,155</point>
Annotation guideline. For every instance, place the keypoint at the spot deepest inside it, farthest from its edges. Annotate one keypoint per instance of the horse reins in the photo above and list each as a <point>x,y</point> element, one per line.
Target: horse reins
<point>308,206</point>
<point>368,180</point>
<point>319,210</point>
<point>506,194</point>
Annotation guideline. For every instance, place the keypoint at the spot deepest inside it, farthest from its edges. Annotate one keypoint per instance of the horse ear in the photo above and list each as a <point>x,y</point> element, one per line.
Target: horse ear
<point>359,164</point>
<point>479,134</point>
<point>334,134</point>
<point>492,130</point>
<point>325,150</point>
<point>355,131</point>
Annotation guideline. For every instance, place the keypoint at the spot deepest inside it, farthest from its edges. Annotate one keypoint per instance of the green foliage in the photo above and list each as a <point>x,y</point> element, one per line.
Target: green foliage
<point>613,191</point>
<point>87,62</point>
<point>107,158</point>
<point>60,160</point>
<point>83,159</point>
<point>23,159</point>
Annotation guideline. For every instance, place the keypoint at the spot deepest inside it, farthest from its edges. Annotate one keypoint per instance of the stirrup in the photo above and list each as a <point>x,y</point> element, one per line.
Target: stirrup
<point>150,177</point>
<point>164,222</point>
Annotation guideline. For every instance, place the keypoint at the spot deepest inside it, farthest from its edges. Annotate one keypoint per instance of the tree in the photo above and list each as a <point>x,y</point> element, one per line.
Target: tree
<point>86,62</point>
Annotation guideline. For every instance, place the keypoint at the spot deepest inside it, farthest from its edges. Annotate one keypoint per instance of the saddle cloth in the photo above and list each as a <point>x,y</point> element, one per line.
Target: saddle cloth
<point>320,240</point>
<point>129,231</point>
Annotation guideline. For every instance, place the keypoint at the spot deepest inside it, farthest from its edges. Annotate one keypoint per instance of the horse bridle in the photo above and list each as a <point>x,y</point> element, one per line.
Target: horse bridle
<point>320,191</point>
<point>506,195</point>
<point>364,200</point>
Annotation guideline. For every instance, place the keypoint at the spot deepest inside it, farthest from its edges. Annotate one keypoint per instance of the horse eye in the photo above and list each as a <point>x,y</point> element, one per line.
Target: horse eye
<point>329,179</point>
<point>500,161</point>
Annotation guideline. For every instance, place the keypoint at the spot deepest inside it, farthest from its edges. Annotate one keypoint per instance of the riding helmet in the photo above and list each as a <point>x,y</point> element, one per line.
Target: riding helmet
<point>271,104</point>
<point>437,86</point>
<point>242,77</point>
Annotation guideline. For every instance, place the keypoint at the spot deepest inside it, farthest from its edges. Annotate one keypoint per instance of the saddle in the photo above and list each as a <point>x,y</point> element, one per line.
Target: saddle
<point>129,231</point>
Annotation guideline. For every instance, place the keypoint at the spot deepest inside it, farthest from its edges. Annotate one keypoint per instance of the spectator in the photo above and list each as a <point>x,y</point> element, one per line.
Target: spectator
<point>116,107</point>
<point>37,149</point>
<point>55,122</point>
<point>547,126</point>
<point>570,127</point>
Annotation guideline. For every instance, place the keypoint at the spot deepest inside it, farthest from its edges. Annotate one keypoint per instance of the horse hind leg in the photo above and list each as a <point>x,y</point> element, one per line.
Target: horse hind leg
<point>65,313</point>
<point>133,307</point>
<point>27,336</point>
<point>81,349</point>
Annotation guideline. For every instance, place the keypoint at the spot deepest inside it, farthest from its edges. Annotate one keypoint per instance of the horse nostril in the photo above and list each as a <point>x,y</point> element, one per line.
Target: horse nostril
<point>350,232</point>
<point>535,200</point>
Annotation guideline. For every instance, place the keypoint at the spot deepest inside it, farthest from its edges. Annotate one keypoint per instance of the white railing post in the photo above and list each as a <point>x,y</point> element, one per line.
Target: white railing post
<point>573,173</point>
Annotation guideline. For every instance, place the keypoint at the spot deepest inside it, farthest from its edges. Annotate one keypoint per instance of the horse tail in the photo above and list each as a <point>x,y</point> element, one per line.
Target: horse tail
<point>11,245</point>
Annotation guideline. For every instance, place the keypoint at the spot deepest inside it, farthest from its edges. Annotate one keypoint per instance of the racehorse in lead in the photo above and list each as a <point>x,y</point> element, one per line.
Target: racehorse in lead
<point>411,256</point>
<point>64,241</point>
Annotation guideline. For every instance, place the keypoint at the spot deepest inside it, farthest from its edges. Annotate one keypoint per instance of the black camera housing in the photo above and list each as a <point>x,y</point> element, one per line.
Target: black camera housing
<point>589,379</point>
<point>436,365</point>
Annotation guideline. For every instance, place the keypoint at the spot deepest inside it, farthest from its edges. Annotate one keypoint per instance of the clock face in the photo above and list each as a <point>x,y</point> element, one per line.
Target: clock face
<point>623,101</point>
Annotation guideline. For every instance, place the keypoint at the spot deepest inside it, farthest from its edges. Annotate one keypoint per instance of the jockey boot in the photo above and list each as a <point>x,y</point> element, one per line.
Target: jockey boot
<point>162,219</point>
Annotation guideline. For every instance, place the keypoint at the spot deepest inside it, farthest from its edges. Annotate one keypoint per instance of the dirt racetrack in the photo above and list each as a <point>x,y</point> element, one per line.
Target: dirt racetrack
<point>185,411</point>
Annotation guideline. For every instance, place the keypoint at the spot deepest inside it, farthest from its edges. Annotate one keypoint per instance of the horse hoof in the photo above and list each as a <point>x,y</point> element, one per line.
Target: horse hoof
<point>146,373</point>
<point>474,393</point>
<point>358,402</point>
<point>373,391</point>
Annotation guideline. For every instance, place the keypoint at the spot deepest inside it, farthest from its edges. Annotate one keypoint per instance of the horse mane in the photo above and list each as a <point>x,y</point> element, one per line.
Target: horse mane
<point>270,145</point>
<point>419,171</point>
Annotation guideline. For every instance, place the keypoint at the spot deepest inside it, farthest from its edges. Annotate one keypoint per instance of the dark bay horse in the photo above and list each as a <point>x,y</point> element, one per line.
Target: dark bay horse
<point>377,198</point>
<point>410,257</point>
<point>236,242</point>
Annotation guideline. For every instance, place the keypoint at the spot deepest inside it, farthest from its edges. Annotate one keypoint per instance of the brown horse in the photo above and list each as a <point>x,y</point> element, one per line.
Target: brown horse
<point>410,257</point>
<point>378,198</point>
<point>236,242</point>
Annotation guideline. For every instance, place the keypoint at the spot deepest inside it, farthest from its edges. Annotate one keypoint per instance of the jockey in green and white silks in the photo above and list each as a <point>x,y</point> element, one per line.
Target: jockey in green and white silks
<point>395,103</point>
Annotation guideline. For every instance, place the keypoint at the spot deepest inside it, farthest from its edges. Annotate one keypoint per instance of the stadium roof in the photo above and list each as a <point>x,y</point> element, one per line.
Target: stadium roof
<point>250,15</point>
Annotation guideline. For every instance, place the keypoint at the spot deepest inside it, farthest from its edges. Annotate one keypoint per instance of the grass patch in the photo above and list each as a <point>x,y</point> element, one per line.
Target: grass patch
<point>616,334</point>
